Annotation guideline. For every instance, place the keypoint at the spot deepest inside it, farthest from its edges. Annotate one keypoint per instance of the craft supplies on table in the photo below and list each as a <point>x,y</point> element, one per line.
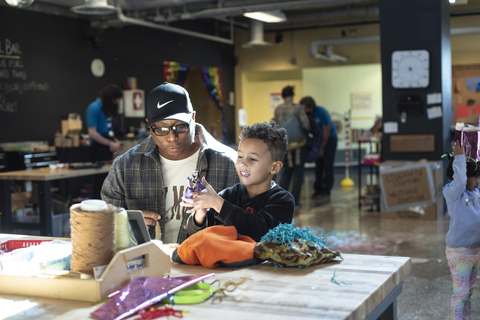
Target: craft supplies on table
<point>32,260</point>
<point>116,276</point>
<point>11,245</point>
<point>374,283</point>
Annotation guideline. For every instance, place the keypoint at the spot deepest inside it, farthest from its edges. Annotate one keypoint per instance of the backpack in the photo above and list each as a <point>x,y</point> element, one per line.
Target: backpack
<point>295,134</point>
<point>293,126</point>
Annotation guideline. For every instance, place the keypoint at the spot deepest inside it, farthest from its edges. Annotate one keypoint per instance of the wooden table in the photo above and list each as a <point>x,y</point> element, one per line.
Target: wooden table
<point>42,177</point>
<point>369,286</point>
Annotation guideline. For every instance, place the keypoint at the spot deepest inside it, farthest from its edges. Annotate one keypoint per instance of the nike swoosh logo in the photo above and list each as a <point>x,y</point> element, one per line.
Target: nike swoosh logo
<point>163,104</point>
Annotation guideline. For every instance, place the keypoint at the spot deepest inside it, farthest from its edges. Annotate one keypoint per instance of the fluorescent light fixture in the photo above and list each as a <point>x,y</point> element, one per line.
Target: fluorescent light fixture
<point>19,3</point>
<point>267,16</point>
<point>455,2</point>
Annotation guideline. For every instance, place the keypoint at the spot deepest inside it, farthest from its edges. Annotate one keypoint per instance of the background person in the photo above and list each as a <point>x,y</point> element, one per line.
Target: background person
<point>292,117</point>
<point>100,123</point>
<point>462,197</point>
<point>324,164</point>
<point>152,176</point>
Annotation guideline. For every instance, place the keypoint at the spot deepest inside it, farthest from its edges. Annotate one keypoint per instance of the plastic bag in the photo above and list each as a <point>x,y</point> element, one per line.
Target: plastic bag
<point>143,292</point>
<point>469,137</point>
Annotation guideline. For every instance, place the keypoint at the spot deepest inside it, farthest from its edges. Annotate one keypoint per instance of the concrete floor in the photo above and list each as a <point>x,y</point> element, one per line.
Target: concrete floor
<point>427,289</point>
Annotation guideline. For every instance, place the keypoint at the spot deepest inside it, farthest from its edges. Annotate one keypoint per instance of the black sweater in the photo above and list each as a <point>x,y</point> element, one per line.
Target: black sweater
<point>252,217</point>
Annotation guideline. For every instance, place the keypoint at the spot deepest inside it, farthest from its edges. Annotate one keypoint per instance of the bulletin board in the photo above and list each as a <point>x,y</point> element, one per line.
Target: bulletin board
<point>466,93</point>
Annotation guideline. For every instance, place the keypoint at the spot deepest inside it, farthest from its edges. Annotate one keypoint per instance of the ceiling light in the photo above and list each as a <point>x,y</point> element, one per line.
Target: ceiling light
<point>95,7</point>
<point>455,2</point>
<point>19,3</point>
<point>267,16</point>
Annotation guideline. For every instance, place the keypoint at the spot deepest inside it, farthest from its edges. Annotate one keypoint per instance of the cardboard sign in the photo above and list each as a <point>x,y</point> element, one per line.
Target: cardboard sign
<point>406,186</point>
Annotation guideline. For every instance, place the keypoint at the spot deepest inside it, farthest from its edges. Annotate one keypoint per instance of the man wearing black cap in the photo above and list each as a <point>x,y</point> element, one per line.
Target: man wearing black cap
<point>152,175</point>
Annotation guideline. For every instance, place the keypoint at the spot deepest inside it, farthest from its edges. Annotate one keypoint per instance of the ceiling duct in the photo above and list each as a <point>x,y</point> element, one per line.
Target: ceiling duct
<point>95,8</point>
<point>256,36</point>
<point>329,55</point>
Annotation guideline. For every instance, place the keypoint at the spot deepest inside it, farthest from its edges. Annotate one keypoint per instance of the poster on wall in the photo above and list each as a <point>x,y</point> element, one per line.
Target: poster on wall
<point>134,103</point>
<point>275,100</point>
<point>361,100</point>
<point>242,117</point>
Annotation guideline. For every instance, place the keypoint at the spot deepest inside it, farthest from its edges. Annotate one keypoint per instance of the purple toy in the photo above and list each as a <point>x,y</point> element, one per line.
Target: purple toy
<point>193,184</point>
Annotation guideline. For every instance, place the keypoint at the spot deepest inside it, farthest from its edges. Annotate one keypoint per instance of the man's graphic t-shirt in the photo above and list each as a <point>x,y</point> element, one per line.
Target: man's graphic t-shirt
<point>175,173</point>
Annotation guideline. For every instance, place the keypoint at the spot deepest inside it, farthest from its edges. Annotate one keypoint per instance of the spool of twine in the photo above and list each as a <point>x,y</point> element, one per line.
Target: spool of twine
<point>92,236</point>
<point>122,232</point>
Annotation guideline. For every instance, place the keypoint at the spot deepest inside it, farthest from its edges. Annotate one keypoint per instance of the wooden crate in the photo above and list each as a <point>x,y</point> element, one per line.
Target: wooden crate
<point>114,278</point>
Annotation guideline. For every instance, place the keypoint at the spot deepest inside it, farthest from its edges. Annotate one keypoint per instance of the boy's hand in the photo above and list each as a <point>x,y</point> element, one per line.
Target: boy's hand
<point>207,198</point>
<point>200,216</point>
<point>458,149</point>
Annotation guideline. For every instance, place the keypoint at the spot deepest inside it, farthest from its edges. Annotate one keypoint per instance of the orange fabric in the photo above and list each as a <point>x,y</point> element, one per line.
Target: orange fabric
<point>217,243</point>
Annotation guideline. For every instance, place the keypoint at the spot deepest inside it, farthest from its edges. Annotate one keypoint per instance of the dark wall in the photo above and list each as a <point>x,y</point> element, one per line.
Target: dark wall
<point>45,68</point>
<point>403,27</point>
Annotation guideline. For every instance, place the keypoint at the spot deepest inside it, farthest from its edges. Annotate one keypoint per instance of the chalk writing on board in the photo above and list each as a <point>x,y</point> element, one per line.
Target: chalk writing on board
<point>14,77</point>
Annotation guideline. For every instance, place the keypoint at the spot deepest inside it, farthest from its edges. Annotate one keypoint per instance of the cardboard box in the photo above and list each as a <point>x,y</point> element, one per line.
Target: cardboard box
<point>405,184</point>
<point>431,212</point>
<point>20,199</point>
<point>75,139</point>
<point>71,126</point>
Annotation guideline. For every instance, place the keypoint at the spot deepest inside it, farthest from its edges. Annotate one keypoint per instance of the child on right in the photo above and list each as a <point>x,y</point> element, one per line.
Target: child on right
<point>462,196</point>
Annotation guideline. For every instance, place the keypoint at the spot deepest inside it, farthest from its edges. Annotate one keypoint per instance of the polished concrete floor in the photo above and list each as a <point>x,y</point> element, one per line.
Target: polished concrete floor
<point>427,289</point>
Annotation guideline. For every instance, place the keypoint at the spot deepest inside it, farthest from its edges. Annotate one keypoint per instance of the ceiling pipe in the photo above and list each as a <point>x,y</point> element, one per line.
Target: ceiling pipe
<point>147,24</point>
<point>329,55</point>
<point>296,5</point>
<point>464,31</point>
<point>335,14</point>
<point>314,45</point>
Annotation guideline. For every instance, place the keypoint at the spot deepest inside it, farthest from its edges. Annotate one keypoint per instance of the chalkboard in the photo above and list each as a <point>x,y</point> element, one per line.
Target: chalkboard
<point>14,77</point>
<point>45,68</point>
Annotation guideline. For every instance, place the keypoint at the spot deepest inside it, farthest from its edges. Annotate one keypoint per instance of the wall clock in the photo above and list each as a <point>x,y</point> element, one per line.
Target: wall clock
<point>410,69</point>
<point>97,67</point>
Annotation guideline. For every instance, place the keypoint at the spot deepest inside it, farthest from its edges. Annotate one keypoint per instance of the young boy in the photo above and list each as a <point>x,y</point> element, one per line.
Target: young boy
<point>256,204</point>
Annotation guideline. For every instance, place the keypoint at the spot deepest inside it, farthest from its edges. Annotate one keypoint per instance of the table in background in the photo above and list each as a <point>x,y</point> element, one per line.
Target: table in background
<point>368,288</point>
<point>42,178</point>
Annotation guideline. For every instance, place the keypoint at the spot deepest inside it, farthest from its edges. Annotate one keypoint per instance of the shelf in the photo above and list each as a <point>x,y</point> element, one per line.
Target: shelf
<point>371,195</point>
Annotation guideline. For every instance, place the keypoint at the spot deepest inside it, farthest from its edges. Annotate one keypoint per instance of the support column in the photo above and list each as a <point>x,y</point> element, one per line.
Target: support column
<point>416,116</point>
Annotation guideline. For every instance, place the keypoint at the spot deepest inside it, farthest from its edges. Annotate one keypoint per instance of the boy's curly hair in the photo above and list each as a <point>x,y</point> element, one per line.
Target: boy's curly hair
<point>473,168</point>
<point>272,134</point>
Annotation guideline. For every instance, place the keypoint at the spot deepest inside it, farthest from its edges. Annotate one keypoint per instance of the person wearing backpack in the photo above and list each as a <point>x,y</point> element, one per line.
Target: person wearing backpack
<point>293,118</point>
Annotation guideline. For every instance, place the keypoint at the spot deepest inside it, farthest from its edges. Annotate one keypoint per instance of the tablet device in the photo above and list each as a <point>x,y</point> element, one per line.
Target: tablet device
<point>138,229</point>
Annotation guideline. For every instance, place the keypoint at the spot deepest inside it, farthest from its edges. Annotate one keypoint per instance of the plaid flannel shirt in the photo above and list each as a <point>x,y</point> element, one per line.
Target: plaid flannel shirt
<point>135,181</point>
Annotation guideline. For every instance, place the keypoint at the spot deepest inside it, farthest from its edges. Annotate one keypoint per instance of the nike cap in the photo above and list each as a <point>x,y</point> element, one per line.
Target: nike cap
<point>168,101</point>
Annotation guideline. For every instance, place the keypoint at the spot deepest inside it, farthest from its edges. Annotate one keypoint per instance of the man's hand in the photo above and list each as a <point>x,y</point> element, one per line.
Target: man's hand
<point>115,146</point>
<point>150,217</point>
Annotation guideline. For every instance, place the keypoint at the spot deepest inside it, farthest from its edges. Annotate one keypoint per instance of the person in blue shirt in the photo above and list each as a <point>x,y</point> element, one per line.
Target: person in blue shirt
<point>99,117</point>
<point>462,196</point>
<point>324,169</point>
